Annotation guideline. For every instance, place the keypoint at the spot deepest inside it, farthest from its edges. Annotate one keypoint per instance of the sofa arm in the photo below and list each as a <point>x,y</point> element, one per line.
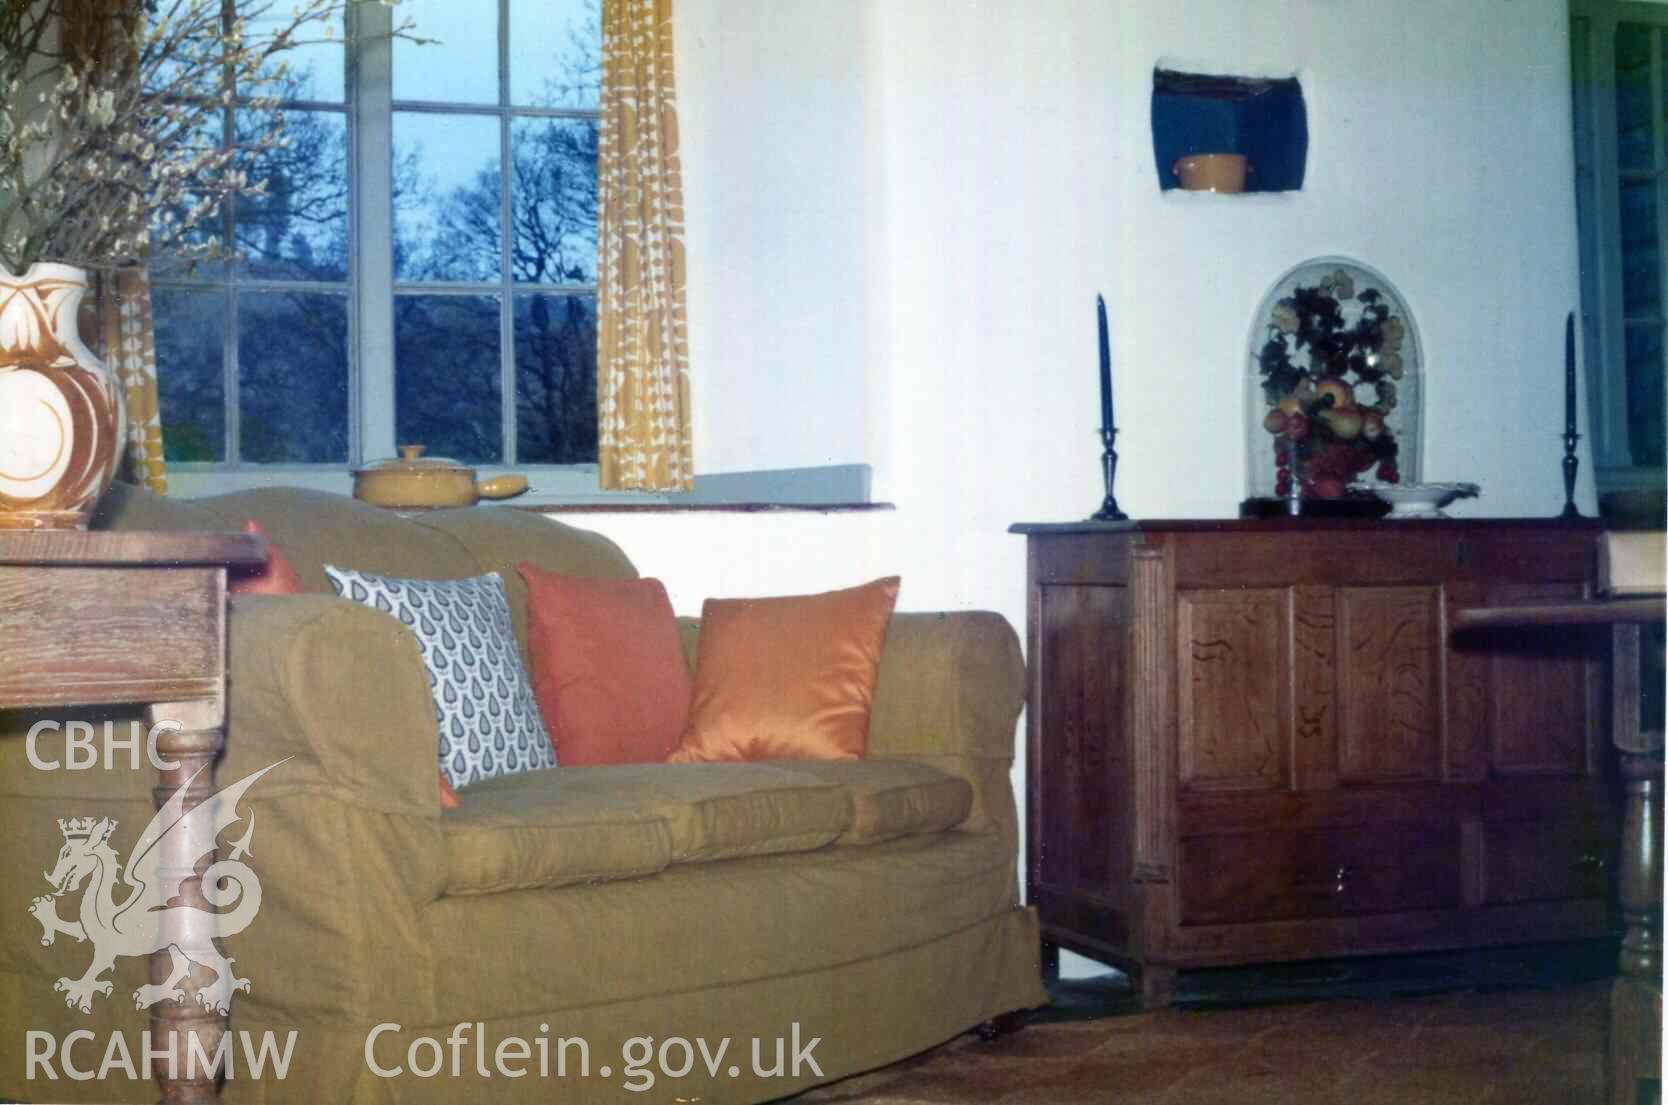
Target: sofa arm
<point>949,685</point>
<point>350,844</point>
<point>948,695</point>
<point>341,690</point>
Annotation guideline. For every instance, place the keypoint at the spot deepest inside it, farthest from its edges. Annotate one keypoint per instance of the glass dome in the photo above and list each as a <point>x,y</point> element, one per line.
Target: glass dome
<point>1334,384</point>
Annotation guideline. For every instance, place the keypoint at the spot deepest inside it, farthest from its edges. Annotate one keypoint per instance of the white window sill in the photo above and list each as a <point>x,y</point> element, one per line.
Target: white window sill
<point>832,486</point>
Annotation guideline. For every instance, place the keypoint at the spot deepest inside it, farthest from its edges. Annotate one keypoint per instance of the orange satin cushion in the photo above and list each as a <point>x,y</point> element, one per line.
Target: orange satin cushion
<point>275,577</point>
<point>787,678</point>
<point>607,667</point>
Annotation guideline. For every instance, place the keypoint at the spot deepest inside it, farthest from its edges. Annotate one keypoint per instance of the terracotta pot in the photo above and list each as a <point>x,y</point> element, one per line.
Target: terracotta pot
<point>413,480</point>
<point>61,417</point>
<point>1212,172</point>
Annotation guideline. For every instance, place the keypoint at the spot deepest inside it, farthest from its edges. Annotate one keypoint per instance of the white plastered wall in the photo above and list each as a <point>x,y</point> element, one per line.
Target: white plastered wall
<point>900,211</point>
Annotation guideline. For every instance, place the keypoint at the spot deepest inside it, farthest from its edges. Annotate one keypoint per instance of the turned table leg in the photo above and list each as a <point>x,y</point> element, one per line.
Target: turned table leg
<point>108,619</point>
<point>1636,997</point>
<point>189,1032</point>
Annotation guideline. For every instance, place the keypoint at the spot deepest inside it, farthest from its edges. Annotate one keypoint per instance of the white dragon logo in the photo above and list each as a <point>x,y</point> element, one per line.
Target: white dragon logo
<point>144,921</point>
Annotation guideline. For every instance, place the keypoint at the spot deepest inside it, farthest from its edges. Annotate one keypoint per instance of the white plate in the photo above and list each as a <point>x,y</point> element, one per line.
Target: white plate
<point>1420,500</point>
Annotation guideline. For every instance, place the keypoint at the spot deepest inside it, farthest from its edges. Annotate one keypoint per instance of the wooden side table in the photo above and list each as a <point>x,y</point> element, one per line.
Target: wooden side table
<point>103,618</point>
<point>1635,1046</point>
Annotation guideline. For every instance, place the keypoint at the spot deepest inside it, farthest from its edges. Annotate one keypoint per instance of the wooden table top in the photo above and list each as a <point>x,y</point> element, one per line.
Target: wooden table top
<point>131,549</point>
<point>1590,612</point>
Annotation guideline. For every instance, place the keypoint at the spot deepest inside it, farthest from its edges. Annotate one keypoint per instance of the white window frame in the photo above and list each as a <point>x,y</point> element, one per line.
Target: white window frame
<point>371,289</point>
<point>1592,37</point>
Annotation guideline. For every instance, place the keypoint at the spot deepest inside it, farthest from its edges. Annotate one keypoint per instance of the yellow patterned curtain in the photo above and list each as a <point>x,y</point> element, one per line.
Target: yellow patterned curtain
<point>128,346</point>
<point>642,343</point>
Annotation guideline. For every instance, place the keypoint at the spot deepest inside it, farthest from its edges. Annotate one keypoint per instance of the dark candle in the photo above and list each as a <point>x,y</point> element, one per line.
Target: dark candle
<point>1105,366</point>
<point>1569,373</point>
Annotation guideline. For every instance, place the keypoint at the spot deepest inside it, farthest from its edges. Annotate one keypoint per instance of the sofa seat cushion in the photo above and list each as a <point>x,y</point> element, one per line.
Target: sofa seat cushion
<point>892,798</point>
<point>550,828</point>
<point>728,810</point>
<point>619,821</point>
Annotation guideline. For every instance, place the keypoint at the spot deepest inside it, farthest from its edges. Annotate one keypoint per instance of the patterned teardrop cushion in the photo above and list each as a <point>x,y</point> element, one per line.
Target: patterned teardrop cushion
<point>489,722</point>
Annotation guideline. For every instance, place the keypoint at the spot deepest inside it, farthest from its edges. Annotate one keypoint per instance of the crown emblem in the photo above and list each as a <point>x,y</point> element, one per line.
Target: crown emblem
<point>79,828</point>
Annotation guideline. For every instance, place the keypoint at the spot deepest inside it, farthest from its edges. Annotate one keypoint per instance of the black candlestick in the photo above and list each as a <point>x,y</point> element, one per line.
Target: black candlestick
<point>1571,463</point>
<point>1569,373</point>
<point>1109,511</point>
<point>1106,422</point>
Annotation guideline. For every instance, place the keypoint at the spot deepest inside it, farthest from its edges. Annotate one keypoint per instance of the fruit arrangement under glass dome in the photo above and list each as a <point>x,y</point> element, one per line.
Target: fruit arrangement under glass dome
<point>1335,385</point>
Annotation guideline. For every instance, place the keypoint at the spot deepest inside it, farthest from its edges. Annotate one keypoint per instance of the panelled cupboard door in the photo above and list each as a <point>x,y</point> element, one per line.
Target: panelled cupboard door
<point>1389,684</point>
<point>1328,684</point>
<point>1082,847</point>
<point>1234,672</point>
<point>1310,688</point>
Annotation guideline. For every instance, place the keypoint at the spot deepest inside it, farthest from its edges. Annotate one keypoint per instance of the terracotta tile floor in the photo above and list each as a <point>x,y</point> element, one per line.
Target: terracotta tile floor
<point>1541,1046</point>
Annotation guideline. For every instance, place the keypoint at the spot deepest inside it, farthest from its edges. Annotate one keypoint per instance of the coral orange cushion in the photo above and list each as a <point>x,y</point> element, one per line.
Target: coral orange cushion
<point>449,799</point>
<point>787,678</point>
<point>607,666</point>
<point>276,577</point>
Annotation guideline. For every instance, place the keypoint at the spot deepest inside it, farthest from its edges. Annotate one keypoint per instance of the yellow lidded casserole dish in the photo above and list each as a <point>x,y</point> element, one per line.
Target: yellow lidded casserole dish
<point>413,480</point>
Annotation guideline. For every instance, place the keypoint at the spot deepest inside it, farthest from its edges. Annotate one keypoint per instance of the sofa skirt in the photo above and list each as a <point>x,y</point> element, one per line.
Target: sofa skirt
<point>862,1015</point>
<point>739,1037</point>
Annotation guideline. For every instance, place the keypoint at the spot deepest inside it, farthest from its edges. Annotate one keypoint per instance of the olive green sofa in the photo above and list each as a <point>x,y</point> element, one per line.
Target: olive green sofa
<point>868,905</point>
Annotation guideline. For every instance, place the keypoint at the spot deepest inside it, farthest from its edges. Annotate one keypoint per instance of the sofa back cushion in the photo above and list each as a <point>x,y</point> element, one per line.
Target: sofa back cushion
<point>315,528</point>
<point>499,538</point>
<point>126,507</point>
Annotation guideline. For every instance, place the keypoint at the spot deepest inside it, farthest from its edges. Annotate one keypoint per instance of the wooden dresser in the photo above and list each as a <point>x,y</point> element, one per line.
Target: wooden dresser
<point>1260,740</point>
